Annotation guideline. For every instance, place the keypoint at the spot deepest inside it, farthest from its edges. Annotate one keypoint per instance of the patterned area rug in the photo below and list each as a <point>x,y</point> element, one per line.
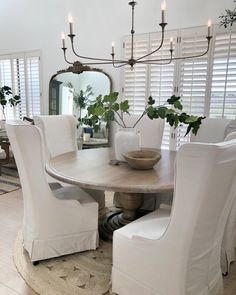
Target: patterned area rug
<point>9,180</point>
<point>86,273</point>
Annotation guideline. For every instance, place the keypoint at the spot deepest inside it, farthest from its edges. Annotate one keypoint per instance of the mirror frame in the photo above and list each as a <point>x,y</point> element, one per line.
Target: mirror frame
<point>77,68</point>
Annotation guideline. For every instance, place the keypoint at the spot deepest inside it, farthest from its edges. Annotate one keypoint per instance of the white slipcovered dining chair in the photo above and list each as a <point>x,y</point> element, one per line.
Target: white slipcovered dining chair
<point>56,222</point>
<point>211,130</point>
<point>229,238</point>
<point>59,133</point>
<point>178,253</point>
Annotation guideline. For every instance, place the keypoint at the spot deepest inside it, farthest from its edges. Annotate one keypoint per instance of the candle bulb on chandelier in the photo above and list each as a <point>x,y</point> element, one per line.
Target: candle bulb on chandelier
<point>70,23</point>
<point>113,47</point>
<point>63,40</point>
<point>171,43</point>
<point>209,28</point>
<point>163,7</point>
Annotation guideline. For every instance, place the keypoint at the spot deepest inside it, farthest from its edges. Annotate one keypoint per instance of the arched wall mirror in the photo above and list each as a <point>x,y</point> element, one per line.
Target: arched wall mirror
<point>71,90</point>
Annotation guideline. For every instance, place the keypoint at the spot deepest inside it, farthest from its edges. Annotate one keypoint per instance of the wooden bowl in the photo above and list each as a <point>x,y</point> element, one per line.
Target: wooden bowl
<point>142,160</point>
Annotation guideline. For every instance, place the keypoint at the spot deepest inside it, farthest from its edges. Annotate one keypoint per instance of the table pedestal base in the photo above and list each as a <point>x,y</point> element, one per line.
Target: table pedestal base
<point>111,221</point>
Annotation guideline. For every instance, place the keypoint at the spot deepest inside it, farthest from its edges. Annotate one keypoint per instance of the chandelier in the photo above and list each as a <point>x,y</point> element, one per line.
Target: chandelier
<point>145,59</point>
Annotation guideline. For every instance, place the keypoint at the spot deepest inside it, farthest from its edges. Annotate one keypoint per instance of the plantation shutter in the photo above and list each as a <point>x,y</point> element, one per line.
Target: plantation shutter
<point>162,76</point>
<point>193,76</point>
<point>19,86</point>
<point>21,72</point>
<point>33,81</point>
<point>223,87</point>
<point>135,81</point>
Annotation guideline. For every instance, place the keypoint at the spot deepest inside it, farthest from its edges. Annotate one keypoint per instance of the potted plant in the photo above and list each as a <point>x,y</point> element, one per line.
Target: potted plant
<point>107,108</point>
<point>81,100</point>
<point>6,97</point>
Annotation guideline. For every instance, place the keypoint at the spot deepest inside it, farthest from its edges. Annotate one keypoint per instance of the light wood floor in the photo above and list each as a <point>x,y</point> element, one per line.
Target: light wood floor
<point>11,283</point>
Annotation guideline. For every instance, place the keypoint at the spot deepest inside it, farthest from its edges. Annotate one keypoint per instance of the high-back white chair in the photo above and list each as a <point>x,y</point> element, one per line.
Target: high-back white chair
<point>55,222</point>
<point>179,252</point>
<point>211,130</point>
<point>217,130</point>
<point>59,133</point>
<point>229,238</point>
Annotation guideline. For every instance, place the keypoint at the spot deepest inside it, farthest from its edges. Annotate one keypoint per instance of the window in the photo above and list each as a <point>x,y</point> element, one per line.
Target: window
<point>21,72</point>
<point>207,85</point>
<point>223,86</point>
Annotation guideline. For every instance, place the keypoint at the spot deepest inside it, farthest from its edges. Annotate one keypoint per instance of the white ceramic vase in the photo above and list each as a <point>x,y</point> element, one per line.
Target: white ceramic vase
<point>126,139</point>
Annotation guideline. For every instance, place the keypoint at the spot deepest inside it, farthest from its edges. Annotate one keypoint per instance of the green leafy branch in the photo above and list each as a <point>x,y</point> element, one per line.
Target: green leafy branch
<point>228,18</point>
<point>5,92</point>
<point>82,98</point>
<point>108,109</point>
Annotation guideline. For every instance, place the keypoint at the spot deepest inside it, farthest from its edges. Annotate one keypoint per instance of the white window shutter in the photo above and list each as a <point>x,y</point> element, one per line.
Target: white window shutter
<point>19,87</point>
<point>135,81</point>
<point>21,72</point>
<point>193,76</point>
<point>33,81</point>
<point>223,87</point>
<point>162,76</point>
<point>206,84</point>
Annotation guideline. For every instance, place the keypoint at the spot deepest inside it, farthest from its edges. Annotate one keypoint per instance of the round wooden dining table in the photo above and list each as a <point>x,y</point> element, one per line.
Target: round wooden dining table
<point>94,169</point>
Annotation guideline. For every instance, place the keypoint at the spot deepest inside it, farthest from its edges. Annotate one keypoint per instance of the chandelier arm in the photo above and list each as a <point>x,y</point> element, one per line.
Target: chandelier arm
<point>114,63</point>
<point>86,57</point>
<point>161,64</point>
<point>161,44</point>
<point>193,56</point>
<point>119,66</point>
<point>64,53</point>
<point>181,57</point>
<point>98,63</point>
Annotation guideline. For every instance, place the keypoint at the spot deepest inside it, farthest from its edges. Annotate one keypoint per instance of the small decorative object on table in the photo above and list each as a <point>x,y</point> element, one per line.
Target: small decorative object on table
<point>142,160</point>
<point>126,139</point>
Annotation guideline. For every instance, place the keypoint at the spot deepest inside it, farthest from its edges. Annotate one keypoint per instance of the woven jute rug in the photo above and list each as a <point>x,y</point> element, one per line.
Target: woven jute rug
<point>86,273</point>
<point>9,179</point>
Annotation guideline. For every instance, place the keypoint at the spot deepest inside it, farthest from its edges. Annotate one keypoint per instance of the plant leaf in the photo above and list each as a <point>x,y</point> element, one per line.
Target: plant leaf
<point>151,101</point>
<point>124,106</point>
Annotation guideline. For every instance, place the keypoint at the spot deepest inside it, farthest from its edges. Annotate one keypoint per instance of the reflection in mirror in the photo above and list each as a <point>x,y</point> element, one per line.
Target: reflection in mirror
<point>72,90</point>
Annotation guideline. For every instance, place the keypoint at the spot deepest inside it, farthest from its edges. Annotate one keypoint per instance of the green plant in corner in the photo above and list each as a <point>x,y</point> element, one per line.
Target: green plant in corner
<point>107,108</point>
<point>6,96</point>
<point>228,18</point>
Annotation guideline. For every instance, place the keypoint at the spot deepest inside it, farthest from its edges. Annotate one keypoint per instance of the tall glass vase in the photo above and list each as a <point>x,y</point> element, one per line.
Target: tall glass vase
<point>126,139</point>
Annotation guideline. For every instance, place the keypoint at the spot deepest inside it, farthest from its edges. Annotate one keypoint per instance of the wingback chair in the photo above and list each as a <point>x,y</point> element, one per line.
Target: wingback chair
<point>229,238</point>
<point>59,133</point>
<point>211,130</point>
<point>178,253</point>
<point>56,222</point>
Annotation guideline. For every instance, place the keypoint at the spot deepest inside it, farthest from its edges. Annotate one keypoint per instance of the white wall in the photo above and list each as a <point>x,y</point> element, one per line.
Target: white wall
<point>37,24</point>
